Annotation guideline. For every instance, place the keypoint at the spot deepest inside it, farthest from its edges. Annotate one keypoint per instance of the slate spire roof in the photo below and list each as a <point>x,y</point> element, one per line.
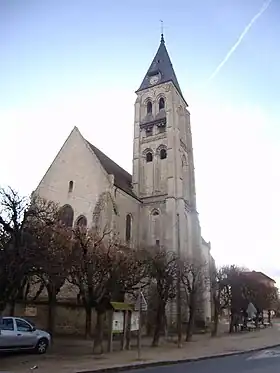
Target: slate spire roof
<point>161,64</point>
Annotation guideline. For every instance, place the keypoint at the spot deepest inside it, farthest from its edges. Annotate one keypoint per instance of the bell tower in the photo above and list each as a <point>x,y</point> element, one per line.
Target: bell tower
<point>163,170</point>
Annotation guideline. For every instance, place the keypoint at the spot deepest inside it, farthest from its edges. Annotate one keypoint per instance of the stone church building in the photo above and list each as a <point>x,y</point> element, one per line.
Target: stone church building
<point>156,205</point>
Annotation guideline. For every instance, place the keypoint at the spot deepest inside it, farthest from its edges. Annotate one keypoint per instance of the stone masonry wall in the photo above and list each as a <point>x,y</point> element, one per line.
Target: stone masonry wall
<point>69,320</point>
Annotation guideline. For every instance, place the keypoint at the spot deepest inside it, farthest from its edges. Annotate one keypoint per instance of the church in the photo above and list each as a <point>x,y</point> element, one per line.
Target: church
<point>156,205</point>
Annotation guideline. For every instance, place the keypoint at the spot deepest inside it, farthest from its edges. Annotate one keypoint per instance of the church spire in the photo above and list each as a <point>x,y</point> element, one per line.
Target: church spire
<point>161,70</point>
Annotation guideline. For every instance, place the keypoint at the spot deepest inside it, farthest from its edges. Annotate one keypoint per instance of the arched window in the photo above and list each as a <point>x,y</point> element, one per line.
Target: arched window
<point>149,107</point>
<point>81,221</point>
<point>70,186</point>
<point>128,224</point>
<point>155,228</point>
<point>66,215</point>
<point>149,157</point>
<point>163,153</point>
<point>161,103</point>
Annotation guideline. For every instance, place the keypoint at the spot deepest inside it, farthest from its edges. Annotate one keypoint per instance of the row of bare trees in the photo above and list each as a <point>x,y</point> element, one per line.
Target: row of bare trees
<point>34,248</point>
<point>37,251</point>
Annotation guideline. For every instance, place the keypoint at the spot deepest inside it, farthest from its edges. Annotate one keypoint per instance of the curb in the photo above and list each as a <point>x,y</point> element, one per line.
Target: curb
<point>152,364</point>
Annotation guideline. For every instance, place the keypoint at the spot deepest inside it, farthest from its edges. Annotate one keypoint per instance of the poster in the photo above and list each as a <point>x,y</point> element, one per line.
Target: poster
<point>118,321</point>
<point>134,321</point>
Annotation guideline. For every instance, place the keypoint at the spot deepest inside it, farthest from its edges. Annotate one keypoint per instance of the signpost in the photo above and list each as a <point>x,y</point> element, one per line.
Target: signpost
<point>141,305</point>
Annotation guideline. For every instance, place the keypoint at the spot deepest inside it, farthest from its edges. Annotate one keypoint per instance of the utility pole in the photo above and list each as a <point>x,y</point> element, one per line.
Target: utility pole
<point>179,299</point>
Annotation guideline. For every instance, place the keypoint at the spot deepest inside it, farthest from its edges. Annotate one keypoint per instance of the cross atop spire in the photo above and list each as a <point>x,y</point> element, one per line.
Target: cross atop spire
<point>161,28</point>
<point>161,69</point>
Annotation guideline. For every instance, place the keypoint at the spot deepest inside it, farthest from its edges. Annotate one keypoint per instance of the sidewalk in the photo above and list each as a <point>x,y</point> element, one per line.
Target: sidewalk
<point>71,356</point>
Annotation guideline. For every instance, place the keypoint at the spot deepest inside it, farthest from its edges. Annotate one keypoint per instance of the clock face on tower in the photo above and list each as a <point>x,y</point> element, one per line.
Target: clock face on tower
<point>154,79</point>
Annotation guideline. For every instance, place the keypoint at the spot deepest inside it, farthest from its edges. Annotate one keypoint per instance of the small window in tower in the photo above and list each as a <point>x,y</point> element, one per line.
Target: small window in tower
<point>149,107</point>
<point>161,103</point>
<point>70,186</point>
<point>149,157</point>
<point>157,242</point>
<point>163,154</point>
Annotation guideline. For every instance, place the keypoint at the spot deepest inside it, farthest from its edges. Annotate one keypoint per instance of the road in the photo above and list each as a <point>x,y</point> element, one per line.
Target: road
<point>267,361</point>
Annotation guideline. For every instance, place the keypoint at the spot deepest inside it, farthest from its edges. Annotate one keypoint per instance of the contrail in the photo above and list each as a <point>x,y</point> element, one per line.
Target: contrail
<point>244,32</point>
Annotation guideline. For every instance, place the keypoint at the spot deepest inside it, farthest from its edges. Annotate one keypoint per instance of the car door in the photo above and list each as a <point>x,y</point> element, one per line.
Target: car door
<point>8,339</point>
<point>25,333</point>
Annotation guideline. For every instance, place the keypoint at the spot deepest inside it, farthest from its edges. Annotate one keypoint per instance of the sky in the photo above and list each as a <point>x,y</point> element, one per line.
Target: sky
<point>66,63</point>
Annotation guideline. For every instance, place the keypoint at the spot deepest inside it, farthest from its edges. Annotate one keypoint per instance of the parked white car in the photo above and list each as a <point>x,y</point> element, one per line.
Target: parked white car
<point>18,334</point>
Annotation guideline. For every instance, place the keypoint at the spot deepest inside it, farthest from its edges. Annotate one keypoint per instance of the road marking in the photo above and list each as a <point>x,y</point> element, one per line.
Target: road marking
<point>267,354</point>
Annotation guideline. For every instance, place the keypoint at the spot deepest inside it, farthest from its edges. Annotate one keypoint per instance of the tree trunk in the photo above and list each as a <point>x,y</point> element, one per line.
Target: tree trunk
<point>159,323</point>
<point>257,319</point>
<point>231,324</point>
<point>165,326</point>
<point>2,307</point>
<point>12,308</point>
<point>128,332</point>
<point>88,321</point>
<point>216,322</point>
<point>99,329</point>
<point>51,312</point>
<point>190,324</point>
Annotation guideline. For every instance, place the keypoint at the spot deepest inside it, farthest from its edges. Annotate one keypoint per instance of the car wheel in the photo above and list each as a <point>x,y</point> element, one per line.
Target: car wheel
<point>42,346</point>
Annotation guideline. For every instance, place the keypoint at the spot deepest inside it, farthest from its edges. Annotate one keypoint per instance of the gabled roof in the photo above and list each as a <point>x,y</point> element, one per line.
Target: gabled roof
<point>161,63</point>
<point>259,275</point>
<point>122,179</point>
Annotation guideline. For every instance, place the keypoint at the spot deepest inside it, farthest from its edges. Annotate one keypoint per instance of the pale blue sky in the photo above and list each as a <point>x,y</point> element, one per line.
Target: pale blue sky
<point>68,62</point>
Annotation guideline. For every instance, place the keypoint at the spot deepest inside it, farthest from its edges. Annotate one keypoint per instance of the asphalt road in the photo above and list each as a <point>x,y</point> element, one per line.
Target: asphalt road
<point>267,361</point>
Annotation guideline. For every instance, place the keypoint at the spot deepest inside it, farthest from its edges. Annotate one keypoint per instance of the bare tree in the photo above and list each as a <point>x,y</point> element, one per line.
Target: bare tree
<point>195,280</point>
<point>126,270</point>
<point>87,272</point>
<point>54,243</point>
<point>235,288</point>
<point>220,294</point>
<point>227,293</point>
<point>104,271</point>
<point>163,271</point>
<point>20,220</point>
<point>16,247</point>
